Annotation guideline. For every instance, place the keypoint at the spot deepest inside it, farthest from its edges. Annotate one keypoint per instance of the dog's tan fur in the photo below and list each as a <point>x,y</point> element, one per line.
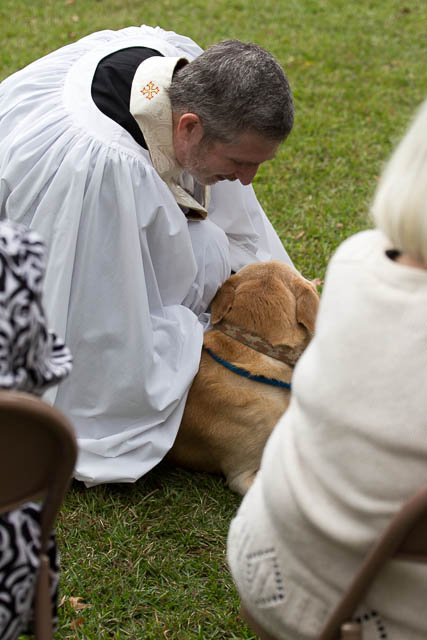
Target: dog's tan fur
<point>228,418</point>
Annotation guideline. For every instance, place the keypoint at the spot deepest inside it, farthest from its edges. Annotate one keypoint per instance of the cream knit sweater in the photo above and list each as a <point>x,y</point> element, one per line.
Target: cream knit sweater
<point>350,449</point>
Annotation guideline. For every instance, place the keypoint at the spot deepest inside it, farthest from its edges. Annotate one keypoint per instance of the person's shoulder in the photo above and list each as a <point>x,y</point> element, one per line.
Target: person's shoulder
<point>360,246</point>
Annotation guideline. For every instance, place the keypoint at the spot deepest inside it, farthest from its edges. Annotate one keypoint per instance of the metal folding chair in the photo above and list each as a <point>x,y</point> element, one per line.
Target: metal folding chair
<point>405,538</point>
<point>37,455</point>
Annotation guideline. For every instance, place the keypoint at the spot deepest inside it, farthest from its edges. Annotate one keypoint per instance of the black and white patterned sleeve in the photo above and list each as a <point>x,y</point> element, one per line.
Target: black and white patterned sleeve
<point>31,357</point>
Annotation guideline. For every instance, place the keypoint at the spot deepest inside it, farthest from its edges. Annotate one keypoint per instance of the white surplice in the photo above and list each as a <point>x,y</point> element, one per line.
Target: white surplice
<point>124,263</point>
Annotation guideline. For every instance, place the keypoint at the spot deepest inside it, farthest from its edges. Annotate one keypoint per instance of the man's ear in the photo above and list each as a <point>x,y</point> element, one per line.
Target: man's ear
<point>187,134</point>
<point>189,128</point>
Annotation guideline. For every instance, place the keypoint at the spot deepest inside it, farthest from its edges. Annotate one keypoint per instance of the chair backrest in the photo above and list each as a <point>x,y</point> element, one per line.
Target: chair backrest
<point>405,538</point>
<point>38,451</point>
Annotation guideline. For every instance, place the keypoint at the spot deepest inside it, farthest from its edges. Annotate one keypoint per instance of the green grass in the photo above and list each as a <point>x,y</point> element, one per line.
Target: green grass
<point>148,559</point>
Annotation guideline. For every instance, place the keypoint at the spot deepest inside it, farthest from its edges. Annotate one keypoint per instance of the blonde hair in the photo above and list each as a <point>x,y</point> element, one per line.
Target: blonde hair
<point>399,208</point>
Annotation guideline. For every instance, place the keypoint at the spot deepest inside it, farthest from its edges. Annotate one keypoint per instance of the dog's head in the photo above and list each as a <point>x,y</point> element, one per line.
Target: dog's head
<point>272,300</point>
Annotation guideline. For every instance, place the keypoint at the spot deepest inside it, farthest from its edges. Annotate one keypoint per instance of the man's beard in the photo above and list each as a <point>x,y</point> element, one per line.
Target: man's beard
<point>196,165</point>
<point>197,168</point>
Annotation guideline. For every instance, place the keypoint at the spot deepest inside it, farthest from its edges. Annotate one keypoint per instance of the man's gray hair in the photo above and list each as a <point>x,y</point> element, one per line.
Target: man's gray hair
<point>234,87</point>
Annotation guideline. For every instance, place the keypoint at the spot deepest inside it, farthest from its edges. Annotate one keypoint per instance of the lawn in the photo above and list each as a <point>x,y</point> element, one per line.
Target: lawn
<point>147,561</point>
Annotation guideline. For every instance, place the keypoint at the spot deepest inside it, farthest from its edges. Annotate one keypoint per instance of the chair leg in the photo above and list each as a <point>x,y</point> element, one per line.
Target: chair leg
<point>351,631</point>
<point>43,603</point>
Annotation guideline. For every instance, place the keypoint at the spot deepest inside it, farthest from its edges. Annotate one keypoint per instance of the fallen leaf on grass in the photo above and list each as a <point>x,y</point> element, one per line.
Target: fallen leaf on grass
<point>77,623</point>
<point>76,603</point>
<point>300,235</point>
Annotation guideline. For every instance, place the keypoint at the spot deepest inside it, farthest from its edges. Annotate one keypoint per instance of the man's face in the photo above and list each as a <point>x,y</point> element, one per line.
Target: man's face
<point>212,162</point>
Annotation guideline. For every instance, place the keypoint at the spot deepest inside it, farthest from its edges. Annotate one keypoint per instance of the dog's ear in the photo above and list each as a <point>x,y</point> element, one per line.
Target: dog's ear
<point>307,304</point>
<point>223,301</point>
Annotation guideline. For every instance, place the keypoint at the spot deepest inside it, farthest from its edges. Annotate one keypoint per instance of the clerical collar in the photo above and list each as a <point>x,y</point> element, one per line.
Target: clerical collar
<point>151,108</point>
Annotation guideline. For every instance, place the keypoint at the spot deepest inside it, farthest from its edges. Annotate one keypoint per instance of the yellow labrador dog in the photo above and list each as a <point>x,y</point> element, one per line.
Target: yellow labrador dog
<point>263,318</point>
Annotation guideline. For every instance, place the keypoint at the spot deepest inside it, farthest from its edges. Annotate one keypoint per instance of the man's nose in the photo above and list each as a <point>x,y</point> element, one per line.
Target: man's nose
<point>246,173</point>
